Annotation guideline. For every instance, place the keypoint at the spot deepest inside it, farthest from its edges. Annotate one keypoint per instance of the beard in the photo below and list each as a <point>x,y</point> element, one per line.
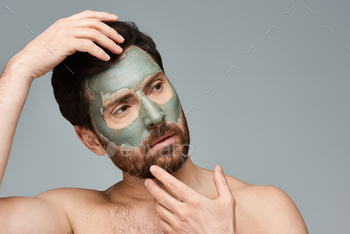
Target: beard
<point>137,161</point>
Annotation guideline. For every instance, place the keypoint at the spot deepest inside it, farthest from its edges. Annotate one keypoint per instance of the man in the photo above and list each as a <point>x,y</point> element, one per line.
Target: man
<point>122,104</point>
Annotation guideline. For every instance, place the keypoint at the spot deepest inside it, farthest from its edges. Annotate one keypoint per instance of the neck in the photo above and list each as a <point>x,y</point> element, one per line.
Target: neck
<point>134,189</point>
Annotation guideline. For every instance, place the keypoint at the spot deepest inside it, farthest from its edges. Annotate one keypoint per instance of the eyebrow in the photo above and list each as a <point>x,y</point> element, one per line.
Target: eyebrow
<point>149,80</point>
<point>127,94</point>
<point>119,98</point>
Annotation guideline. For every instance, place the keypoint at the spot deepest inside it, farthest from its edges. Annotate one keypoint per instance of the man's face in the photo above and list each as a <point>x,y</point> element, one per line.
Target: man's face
<point>134,106</point>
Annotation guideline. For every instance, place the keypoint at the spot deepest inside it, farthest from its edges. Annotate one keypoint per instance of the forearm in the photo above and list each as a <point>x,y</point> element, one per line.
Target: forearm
<point>36,59</point>
<point>14,88</point>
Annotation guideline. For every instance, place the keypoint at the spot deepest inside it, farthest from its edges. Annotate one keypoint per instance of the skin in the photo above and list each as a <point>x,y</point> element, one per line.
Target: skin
<point>133,104</point>
<point>128,77</point>
<point>128,206</point>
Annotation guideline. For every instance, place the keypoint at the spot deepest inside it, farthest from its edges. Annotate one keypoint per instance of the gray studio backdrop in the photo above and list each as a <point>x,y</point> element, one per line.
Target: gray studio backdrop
<point>267,81</point>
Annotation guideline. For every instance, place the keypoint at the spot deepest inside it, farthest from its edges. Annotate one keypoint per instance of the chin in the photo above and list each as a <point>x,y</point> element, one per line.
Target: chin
<point>171,158</point>
<point>169,162</point>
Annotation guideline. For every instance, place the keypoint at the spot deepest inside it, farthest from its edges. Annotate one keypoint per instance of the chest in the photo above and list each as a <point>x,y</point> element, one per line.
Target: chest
<point>118,219</point>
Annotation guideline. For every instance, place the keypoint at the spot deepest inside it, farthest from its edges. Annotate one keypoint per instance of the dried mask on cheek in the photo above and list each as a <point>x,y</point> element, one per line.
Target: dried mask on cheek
<point>126,76</point>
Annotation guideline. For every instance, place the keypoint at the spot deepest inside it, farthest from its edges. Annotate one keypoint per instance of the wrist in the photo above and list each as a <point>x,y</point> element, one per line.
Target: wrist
<point>16,71</point>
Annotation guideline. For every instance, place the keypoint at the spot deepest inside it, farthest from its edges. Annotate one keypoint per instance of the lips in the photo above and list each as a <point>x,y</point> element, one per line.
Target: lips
<point>163,138</point>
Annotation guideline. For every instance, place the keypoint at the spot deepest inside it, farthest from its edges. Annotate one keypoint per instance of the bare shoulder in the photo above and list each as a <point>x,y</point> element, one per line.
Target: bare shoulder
<point>73,203</point>
<point>69,193</point>
<point>71,199</point>
<point>266,207</point>
<point>47,212</point>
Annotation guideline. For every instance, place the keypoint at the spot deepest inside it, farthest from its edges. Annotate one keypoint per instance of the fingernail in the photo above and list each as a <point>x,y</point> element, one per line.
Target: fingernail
<point>153,169</point>
<point>146,182</point>
<point>107,57</point>
<point>220,170</point>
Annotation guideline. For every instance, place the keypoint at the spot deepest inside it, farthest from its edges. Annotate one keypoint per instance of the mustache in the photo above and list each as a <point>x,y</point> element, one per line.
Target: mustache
<point>155,132</point>
<point>136,161</point>
<point>158,131</point>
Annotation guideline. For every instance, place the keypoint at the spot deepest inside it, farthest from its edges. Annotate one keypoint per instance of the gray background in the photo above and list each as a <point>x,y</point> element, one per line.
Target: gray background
<point>280,117</point>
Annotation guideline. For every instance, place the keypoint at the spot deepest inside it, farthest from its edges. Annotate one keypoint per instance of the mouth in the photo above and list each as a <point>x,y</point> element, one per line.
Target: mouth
<point>163,141</point>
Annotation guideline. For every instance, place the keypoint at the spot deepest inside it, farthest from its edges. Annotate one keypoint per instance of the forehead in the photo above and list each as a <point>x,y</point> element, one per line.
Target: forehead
<point>128,72</point>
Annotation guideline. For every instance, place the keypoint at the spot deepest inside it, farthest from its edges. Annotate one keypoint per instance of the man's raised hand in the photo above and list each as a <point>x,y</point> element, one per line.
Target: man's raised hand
<point>186,211</point>
<point>65,37</point>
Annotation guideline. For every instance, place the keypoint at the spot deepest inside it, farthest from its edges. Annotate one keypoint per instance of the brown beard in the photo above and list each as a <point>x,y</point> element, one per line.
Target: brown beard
<point>137,161</point>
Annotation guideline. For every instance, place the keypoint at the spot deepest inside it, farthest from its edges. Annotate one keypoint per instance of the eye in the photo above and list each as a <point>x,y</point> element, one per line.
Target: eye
<point>157,87</point>
<point>121,110</point>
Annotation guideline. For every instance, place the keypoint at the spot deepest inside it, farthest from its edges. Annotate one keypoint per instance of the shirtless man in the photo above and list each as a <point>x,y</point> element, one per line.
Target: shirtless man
<point>137,120</point>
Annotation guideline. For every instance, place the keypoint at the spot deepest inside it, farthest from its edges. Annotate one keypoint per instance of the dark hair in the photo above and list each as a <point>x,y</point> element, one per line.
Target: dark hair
<point>68,77</point>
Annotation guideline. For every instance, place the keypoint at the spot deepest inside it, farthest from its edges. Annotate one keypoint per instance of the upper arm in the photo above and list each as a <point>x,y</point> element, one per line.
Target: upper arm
<point>31,215</point>
<point>277,212</point>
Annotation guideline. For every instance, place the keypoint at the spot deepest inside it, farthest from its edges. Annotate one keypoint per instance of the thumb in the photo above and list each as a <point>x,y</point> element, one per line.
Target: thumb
<point>221,183</point>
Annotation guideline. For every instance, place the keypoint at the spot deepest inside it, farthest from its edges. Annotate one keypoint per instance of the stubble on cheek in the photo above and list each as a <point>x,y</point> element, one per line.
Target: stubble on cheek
<point>137,161</point>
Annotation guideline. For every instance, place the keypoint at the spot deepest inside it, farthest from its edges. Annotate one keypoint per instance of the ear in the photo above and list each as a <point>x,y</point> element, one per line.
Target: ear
<point>89,139</point>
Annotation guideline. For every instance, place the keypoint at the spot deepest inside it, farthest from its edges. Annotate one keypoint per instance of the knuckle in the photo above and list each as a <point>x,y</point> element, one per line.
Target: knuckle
<point>161,199</point>
<point>63,31</point>
<point>158,209</point>
<point>87,43</point>
<point>233,202</point>
<point>171,185</point>
<point>230,200</point>
<point>60,22</point>
<point>183,216</point>
<point>87,12</point>
<point>90,47</point>
<point>193,202</point>
<point>95,22</point>
<point>94,33</point>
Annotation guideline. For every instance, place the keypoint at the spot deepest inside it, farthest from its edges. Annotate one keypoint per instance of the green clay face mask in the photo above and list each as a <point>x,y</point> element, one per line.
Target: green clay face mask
<point>128,82</point>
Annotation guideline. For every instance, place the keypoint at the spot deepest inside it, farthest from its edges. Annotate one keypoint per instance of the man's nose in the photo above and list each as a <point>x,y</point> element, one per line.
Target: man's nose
<point>151,112</point>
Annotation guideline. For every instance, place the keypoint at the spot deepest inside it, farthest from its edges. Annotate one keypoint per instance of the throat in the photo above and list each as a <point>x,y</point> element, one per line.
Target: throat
<point>133,189</point>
